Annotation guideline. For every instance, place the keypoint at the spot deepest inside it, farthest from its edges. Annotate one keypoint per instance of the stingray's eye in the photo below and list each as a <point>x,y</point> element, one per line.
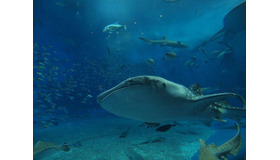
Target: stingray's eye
<point>163,84</point>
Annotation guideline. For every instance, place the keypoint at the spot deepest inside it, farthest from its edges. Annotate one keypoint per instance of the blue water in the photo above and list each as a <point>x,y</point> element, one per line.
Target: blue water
<point>72,64</point>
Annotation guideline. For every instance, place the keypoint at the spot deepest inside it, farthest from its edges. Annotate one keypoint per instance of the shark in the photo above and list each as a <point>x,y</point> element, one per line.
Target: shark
<point>164,42</point>
<point>214,152</point>
<point>154,99</point>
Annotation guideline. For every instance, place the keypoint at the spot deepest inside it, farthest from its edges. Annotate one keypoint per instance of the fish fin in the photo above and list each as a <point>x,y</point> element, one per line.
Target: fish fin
<point>116,22</point>
<point>179,42</point>
<point>204,101</point>
<point>202,143</point>
<point>163,38</point>
<point>124,26</point>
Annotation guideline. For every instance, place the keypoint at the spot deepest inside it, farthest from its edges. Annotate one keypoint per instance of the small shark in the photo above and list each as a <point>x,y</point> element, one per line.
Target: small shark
<point>154,99</point>
<point>165,42</point>
<point>214,152</point>
<point>113,28</point>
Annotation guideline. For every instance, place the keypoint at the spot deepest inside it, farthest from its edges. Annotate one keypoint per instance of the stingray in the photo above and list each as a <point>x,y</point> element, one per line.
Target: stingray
<point>42,146</point>
<point>234,22</point>
<point>154,99</point>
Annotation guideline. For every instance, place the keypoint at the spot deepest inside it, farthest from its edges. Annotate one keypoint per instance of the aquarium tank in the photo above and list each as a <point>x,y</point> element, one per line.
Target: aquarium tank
<point>139,79</point>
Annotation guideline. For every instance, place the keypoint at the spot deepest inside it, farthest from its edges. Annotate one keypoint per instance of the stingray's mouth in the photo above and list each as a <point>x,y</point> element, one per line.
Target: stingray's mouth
<point>139,80</point>
<point>123,85</point>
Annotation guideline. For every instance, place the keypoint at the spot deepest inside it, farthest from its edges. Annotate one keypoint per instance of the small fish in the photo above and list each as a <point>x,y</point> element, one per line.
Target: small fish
<point>203,50</point>
<point>125,133</point>
<point>170,55</point>
<point>108,51</point>
<point>155,140</point>
<point>189,64</point>
<point>47,125</point>
<point>58,94</point>
<point>122,66</point>
<point>150,125</point>
<point>227,51</point>
<point>65,147</point>
<point>60,4</point>
<point>150,61</point>
<point>194,58</point>
<point>164,128</point>
<point>100,87</point>
<point>71,97</point>
<point>55,59</point>
<point>196,11</point>
<point>215,52</point>
<point>205,60</point>
<point>77,144</point>
<point>36,20</point>
<point>187,132</point>
<point>113,28</point>
<point>40,74</point>
<point>119,50</point>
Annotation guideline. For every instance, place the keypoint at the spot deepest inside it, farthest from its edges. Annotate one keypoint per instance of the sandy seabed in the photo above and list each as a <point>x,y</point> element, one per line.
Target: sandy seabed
<point>100,140</point>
